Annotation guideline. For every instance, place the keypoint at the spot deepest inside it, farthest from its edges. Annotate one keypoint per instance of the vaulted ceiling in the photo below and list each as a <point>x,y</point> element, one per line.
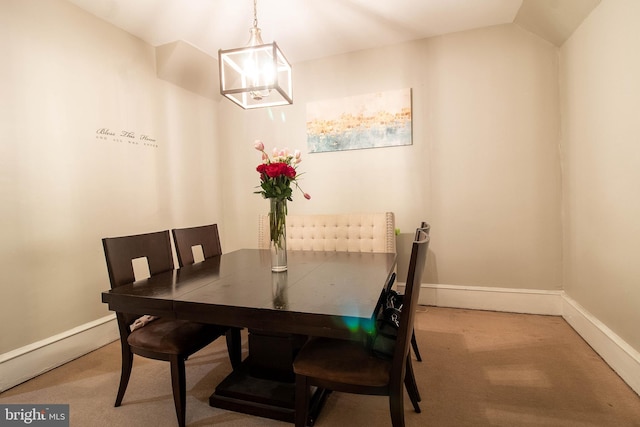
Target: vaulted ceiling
<point>311,29</point>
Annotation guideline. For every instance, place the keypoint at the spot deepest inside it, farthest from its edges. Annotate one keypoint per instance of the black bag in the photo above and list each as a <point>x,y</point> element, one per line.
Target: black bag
<point>387,325</point>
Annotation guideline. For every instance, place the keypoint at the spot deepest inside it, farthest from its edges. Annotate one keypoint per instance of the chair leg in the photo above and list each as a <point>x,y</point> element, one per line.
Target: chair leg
<point>234,346</point>
<point>125,372</point>
<point>412,377</point>
<point>178,383</point>
<point>302,401</point>
<point>396,406</point>
<point>411,386</point>
<point>414,344</point>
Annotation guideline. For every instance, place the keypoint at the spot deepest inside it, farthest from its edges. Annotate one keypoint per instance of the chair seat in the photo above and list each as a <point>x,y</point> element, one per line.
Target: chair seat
<point>173,336</point>
<point>341,361</point>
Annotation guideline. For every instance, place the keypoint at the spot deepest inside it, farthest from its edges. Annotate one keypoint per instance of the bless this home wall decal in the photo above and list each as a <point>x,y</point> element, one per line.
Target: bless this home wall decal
<point>126,137</point>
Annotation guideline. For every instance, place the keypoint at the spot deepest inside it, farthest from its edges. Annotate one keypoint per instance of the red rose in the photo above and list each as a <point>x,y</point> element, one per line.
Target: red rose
<point>275,170</point>
<point>277,176</point>
<point>290,172</point>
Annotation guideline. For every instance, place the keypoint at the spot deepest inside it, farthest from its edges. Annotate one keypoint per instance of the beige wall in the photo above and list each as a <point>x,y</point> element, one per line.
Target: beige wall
<point>483,168</point>
<point>65,75</point>
<point>600,65</point>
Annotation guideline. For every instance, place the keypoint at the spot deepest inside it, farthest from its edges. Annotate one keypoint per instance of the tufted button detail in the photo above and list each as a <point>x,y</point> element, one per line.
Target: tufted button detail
<point>360,232</point>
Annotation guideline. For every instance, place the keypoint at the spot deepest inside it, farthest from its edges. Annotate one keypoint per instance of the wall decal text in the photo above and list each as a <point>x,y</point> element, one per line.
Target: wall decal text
<point>126,137</point>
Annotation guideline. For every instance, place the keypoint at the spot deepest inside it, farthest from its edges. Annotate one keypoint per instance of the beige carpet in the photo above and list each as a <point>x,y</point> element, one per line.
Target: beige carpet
<point>479,369</point>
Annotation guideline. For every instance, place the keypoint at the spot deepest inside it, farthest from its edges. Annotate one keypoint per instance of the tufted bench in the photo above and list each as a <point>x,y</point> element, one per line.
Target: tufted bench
<point>352,232</point>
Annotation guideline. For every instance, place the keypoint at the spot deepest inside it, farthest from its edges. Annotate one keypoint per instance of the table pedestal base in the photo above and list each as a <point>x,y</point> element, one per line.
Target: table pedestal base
<point>264,385</point>
<point>266,398</point>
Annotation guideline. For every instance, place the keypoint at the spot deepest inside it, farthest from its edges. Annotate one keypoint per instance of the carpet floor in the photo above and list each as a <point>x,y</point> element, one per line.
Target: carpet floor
<point>479,368</point>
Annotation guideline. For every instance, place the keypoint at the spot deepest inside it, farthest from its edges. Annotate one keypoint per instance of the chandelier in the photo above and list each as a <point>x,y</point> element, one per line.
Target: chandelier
<point>257,75</point>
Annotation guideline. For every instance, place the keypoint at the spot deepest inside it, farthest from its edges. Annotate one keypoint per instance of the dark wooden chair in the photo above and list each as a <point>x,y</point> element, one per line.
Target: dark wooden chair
<point>350,367</point>
<point>414,344</point>
<point>162,339</point>
<point>208,238</point>
<point>412,386</point>
<point>186,239</point>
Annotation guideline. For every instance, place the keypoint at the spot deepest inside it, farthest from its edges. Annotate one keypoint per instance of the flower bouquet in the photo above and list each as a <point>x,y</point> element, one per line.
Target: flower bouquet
<point>277,174</point>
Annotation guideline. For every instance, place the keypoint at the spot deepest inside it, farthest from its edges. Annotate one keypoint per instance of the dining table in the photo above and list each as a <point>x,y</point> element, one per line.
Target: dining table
<point>321,294</point>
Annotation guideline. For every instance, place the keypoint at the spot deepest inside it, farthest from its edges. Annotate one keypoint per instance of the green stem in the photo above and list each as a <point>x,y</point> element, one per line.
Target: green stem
<point>277,223</point>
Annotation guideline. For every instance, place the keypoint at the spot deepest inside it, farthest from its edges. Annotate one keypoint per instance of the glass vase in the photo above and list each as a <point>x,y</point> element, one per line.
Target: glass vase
<point>279,290</point>
<point>278,235</point>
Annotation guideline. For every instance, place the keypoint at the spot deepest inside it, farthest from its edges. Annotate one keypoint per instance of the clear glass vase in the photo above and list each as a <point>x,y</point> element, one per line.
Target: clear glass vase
<point>279,290</point>
<point>278,234</point>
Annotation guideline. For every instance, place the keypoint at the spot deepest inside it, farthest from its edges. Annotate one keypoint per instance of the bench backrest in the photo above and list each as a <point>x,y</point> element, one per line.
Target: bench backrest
<point>352,232</point>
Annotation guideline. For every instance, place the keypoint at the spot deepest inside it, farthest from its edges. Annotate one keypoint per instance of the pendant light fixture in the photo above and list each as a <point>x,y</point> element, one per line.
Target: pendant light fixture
<point>257,75</point>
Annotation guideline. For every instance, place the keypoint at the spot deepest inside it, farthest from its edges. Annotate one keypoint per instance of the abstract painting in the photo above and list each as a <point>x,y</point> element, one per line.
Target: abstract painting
<point>381,119</point>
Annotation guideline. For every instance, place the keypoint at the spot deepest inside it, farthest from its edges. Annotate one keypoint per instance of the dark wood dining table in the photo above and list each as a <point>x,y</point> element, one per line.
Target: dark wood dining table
<point>328,294</point>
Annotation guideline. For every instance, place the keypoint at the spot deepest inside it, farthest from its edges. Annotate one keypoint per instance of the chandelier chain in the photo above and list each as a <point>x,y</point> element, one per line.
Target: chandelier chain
<point>255,13</point>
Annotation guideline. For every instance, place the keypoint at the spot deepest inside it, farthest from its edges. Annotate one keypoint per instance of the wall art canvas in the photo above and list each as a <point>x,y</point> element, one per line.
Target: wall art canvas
<point>381,119</point>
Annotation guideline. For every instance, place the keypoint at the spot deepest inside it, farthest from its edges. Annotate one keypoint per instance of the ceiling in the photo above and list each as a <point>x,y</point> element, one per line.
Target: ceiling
<point>311,29</point>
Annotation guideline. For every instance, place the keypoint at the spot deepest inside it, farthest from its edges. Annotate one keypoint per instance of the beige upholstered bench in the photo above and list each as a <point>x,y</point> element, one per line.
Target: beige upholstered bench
<point>350,232</point>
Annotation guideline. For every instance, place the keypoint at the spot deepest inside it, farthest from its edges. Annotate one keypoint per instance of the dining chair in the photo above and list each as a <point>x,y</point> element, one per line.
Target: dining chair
<point>350,367</point>
<point>412,386</point>
<point>205,236</point>
<point>208,238</point>
<point>171,340</point>
<point>414,344</point>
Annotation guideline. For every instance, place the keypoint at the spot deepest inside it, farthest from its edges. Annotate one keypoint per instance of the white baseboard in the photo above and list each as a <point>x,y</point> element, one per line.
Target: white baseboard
<point>22,364</point>
<point>27,362</point>
<point>530,301</point>
<point>619,355</point>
